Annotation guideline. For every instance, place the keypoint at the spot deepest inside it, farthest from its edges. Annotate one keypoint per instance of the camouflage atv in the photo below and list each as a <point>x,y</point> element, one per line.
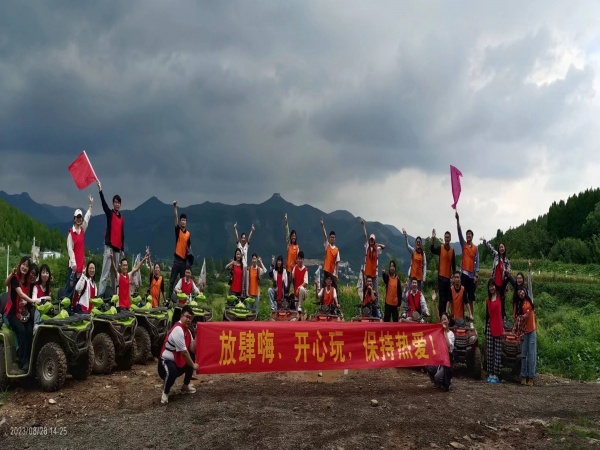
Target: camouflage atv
<point>113,336</point>
<point>201,313</point>
<point>60,345</point>
<point>236,310</point>
<point>152,327</point>
<point>466,348</point>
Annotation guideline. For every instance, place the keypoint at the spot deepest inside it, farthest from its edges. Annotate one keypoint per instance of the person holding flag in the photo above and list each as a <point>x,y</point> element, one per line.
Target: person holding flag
<point>114,240</point>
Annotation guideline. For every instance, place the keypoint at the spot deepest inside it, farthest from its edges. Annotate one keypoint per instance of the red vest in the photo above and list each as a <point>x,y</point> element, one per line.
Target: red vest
<point>124,298</point>
<point>186,288</point>
<point>298,278</point>
<point>495,313</point>
<point>116,231</point>
<point>179,359</point>
<point>16,301</point>
<point>78,248</point>
<point>414,302</point>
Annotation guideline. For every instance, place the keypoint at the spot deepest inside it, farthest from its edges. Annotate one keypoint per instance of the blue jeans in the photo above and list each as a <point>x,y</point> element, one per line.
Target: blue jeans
<point>70,288</point>
<point>272,294</point>
<point>529,355</point>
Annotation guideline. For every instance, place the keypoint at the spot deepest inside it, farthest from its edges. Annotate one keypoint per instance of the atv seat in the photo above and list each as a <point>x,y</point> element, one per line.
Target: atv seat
<point>67,320</point>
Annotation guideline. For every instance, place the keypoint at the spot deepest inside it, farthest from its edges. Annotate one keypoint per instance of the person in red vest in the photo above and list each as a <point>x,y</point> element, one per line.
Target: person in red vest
<point>186,285</point>
<point>446,267</point>
<point>415,301</point>
<point>292,248</point>
<point>76,247</point>
<point>500,270</point>
<point>114,240</point>
<point>281,283</point>
<point>332,256</point>
<point>372,252</point>
<point>494,330</point>
<point>124,281</point>
<point>469,266</point>
<point>418,260</point>
<point>183,246</point>
<point>300,278</point>
<point>86,290</point>
<point>175,359</point>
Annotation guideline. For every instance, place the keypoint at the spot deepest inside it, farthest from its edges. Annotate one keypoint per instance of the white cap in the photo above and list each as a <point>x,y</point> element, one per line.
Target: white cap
<point>77,213</point>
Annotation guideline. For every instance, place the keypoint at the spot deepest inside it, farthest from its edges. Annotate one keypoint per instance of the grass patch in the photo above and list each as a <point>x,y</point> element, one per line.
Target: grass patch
<point>582,427</point>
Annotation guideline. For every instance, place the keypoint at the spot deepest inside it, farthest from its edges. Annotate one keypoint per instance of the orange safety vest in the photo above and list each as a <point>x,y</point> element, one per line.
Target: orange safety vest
<point>292,256</point>
<point>458,306</point>
<point>416,265</point>
<point>445,269</point>
<point>155,290</point>
<point>331,255</point>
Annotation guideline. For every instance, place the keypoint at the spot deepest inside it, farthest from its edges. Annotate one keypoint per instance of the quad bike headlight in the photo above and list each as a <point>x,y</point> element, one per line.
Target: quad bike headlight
<point>472,340</point>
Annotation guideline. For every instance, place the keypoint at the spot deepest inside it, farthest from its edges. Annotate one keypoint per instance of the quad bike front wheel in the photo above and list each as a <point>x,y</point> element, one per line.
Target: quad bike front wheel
<point>141,345</point>
<point>84,367</point>
<point>104,354</point>
<point>3,375</point>
<point>126,359</point>
<point>51,367</point>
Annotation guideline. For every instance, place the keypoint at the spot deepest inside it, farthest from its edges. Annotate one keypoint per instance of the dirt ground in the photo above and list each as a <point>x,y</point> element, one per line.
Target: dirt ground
<point>302,411</point>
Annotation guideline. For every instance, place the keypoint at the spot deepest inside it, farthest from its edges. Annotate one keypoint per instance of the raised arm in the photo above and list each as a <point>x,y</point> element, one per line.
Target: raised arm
<point>324,232</point>
<point>491,249</point>
<point>435,306</point>
<point>251,233</point>
<point>138,266</point>
<point>461,238</point>
<point>435,250</point>
<point>287,229</point>
<point>410,249</point>
<point>105,206</point>
<point>529,282</point>
<point>364,225</point>
<point>88,214</point>
<point>175,213</point>
<point>237,239</point>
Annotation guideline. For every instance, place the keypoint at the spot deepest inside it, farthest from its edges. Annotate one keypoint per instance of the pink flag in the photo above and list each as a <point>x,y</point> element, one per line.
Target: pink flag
<point>82,171</point>
<point>455,175</point>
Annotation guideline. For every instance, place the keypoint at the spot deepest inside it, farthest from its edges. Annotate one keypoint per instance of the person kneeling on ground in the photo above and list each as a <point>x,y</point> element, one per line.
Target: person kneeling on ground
<point>175,359</point>
<point>441,376</point>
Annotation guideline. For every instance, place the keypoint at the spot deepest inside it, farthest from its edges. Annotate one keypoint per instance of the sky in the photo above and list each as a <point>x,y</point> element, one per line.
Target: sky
<point>352,105</point>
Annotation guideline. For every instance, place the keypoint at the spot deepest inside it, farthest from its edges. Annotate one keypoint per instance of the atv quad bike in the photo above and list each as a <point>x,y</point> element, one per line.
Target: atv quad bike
<point>327,313</point>
<point>60,345</point>
<point>113,336</point>
<point>367,313</point>
<point>466,348</point>
<point>201,313</point>
<point>511,349</point>
<point>286,311</point>
<point>236,310</point>
<point>152,327</point>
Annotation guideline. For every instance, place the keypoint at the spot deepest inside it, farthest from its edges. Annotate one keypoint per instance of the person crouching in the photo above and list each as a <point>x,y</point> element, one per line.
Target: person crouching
<point>175,359</point>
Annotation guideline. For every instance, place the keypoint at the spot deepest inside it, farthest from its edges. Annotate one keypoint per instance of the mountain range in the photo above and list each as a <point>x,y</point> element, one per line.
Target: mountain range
<point>211,228</point>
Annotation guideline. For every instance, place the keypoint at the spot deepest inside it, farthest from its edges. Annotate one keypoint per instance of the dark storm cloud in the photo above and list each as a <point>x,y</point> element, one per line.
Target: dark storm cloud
<point>232,101</point>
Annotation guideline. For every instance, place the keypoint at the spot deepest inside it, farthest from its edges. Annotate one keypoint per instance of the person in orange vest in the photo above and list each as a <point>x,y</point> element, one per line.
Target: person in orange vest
<point>292,248</point>
<point>418,260</point>
<point>175,359</point>
<point>469,266</point>
<point>393,293</point>
<point>183,245</point>
<point>332,256</point>
<point>372,252</point>
<point>254,273</point>
<point>157,284</point>
<point>327,295</point>
<point>459,298</point>
<point>446,267</point>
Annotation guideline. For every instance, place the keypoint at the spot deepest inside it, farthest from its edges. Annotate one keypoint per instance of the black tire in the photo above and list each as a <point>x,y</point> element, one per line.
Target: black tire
<point>156,350</point>
<point>474,364</point>
<point>3,374</point>
<point>82,370</point>
<point>125,360</point>
<point>51,367</point>
<point>516,367</point>
<point>141,345</point>
<point>104,354</point>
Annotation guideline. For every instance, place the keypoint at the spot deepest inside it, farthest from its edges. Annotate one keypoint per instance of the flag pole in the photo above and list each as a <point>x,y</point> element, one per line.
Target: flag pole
<point>91,167</point>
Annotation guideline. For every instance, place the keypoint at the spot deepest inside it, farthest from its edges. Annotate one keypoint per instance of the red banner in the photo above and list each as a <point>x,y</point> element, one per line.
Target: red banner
<point>228,347</point>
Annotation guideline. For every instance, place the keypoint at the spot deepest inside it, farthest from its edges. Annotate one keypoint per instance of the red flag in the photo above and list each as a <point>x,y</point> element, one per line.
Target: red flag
<point>82,171</point>
<point>455,175</point>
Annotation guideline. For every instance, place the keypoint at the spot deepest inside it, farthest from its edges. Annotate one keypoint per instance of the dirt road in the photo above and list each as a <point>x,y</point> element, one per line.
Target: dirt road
<point>303,411</point>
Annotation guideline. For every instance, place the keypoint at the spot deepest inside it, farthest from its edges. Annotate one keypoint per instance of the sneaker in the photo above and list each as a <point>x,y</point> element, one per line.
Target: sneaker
<point>495,379</point>
<point>164,399</point>
<point>188,389</point>
<point>489,379</point>
<point>523,381</point>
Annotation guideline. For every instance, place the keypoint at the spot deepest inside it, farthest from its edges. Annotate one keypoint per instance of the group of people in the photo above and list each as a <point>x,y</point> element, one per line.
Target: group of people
<point>30,285</point>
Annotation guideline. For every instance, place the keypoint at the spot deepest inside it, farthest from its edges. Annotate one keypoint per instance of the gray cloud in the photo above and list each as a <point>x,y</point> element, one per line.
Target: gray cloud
<point>231,101</point>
